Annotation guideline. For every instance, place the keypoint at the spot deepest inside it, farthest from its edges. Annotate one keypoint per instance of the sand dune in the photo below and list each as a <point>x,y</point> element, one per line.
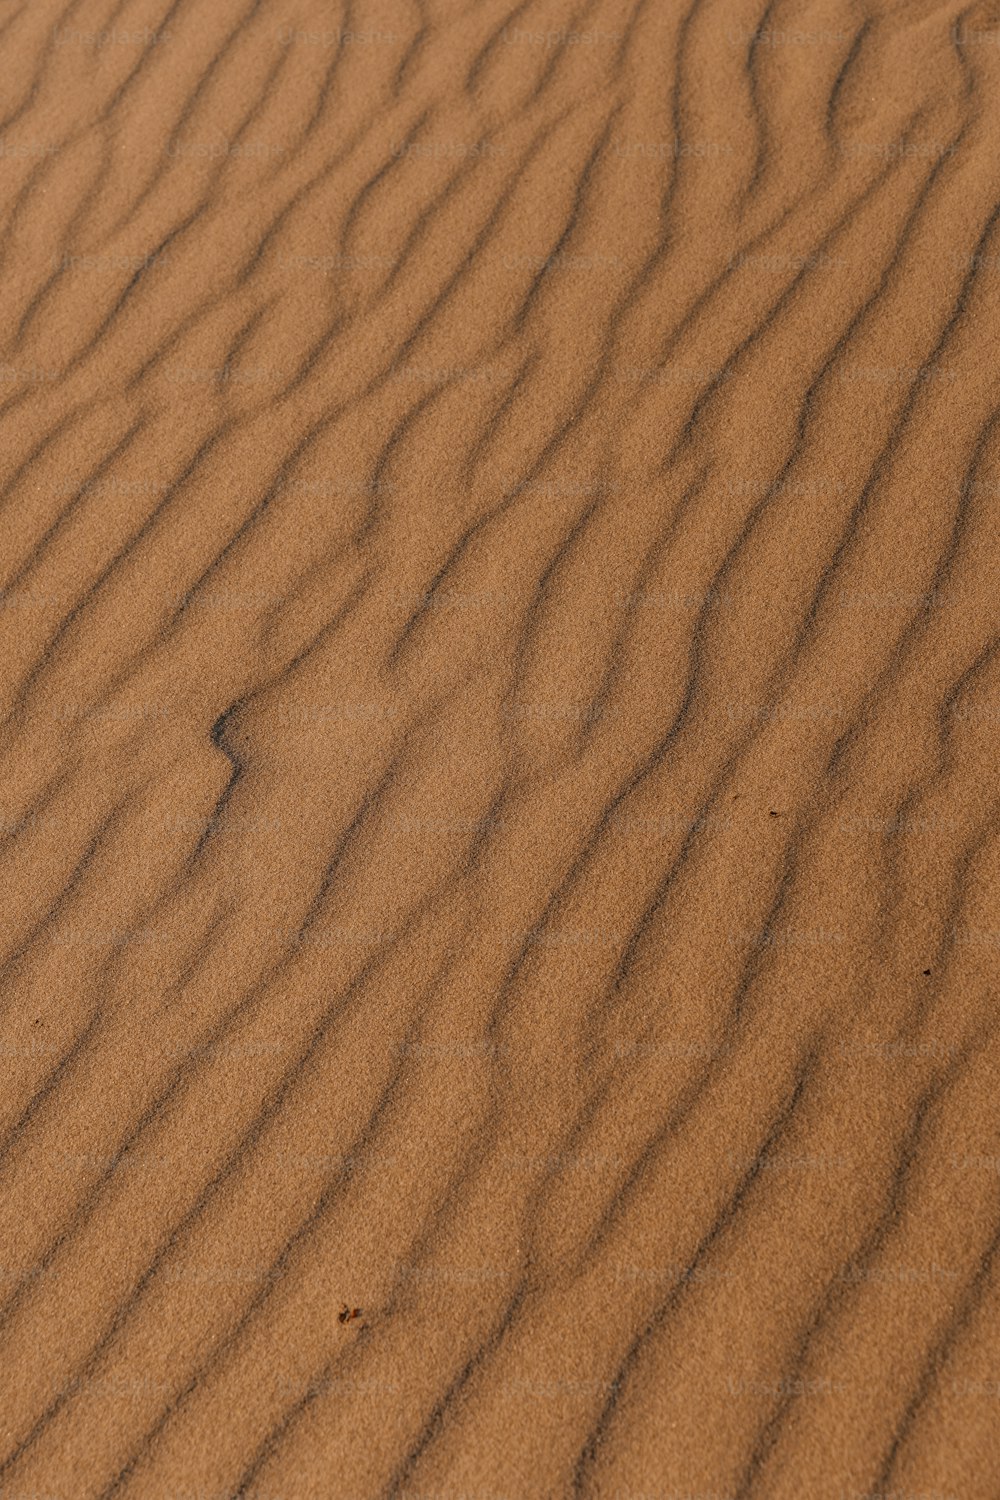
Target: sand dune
<point>500,696</point>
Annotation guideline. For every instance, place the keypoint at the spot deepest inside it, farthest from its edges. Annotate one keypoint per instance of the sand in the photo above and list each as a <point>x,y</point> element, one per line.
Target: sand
<point>500,692</point>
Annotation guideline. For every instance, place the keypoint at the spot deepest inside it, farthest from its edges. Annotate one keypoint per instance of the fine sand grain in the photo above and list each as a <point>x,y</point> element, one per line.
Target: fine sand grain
<point>499,706</point>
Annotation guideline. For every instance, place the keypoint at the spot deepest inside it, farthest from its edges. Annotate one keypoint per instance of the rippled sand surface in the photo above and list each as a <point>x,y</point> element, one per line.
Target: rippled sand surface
<point>498,757</point>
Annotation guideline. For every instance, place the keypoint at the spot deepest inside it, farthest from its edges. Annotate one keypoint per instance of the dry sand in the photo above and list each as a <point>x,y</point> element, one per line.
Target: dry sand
<point>500,699</point>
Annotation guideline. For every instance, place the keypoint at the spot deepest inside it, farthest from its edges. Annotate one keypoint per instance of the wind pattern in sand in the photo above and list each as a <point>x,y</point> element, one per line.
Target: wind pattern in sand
<point>499,676</point>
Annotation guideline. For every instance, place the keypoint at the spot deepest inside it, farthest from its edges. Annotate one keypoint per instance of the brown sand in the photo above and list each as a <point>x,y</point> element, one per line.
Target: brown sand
<point>500,703</point>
